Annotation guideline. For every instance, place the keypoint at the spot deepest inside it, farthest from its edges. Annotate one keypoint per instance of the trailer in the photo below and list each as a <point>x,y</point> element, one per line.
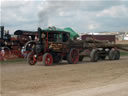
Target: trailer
<point>53,46</point>
<point>110,38</point>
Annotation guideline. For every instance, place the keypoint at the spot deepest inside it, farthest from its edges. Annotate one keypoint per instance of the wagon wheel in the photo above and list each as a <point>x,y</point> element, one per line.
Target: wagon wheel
<point>47,59</point>
<point>31,59</point>
<point>117,55</point>
<point>94,55</point>
<point>114,54</point>
<point>73,56</point>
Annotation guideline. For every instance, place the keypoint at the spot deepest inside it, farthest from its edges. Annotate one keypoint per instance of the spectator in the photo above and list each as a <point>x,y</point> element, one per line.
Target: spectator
<point>23,52</point>
<point>2,54</point>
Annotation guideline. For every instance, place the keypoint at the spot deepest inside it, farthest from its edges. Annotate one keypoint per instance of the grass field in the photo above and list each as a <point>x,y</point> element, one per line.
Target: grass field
<point>14,61</point>
<point>124,53</point>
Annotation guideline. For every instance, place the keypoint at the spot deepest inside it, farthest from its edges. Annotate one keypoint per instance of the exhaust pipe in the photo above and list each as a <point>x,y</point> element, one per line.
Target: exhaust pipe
<point>39,44</point>
<point>39,35</point>
<point>2,32</point>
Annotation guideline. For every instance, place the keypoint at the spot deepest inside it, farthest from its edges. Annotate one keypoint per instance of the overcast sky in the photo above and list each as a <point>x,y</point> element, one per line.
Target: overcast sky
<point>82,16</point>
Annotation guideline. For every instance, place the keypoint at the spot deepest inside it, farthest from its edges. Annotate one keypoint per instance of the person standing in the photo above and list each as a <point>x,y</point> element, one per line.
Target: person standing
<point>2,54</point>
<point>23,52</point>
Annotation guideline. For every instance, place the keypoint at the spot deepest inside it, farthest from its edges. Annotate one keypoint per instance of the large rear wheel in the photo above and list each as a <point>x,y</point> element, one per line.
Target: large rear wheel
<point>47,59</point>
<point>73,56</point>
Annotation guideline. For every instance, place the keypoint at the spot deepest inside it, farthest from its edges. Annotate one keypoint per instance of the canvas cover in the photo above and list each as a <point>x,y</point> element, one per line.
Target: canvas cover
<point>67,29</point>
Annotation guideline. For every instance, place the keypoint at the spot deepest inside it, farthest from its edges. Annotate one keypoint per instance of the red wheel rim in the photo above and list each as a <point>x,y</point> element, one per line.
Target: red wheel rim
<point>32,59</point>
<point>48,60</point>
<point>75,56</point>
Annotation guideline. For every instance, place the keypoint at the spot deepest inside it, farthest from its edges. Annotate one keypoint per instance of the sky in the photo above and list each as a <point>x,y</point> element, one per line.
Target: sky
<point>81,15</point>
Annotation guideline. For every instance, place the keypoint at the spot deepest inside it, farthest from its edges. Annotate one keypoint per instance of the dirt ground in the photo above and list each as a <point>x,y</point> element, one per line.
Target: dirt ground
<point>102,78</point>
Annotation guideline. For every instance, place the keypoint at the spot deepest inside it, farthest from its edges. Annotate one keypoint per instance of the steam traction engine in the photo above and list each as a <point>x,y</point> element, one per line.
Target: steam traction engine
<point>12,44</point>
<point>52,46</point>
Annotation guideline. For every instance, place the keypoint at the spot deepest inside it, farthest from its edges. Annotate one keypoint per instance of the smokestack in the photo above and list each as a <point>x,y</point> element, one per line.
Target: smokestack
<point>2,32</point>
<point>39,35</point>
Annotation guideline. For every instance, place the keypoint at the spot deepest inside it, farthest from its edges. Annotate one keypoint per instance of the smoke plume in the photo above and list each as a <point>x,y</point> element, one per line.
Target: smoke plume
<point>50,9</point>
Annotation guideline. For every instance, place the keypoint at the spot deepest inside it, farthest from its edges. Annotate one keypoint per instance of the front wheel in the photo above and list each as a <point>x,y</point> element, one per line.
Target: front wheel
<point>73,56</point>
<point>31,58</point>
<point>47,59</point>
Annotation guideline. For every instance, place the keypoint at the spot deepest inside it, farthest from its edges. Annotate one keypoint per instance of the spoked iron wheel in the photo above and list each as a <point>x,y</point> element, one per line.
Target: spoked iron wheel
<point>73,56</point>
<point>31,58</point>
<point>47,59</point>
<point>94,55</point>
<point>114,54</point>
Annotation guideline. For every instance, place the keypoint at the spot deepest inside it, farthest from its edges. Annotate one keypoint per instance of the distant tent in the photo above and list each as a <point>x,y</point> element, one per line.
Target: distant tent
<point>68,29</point>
